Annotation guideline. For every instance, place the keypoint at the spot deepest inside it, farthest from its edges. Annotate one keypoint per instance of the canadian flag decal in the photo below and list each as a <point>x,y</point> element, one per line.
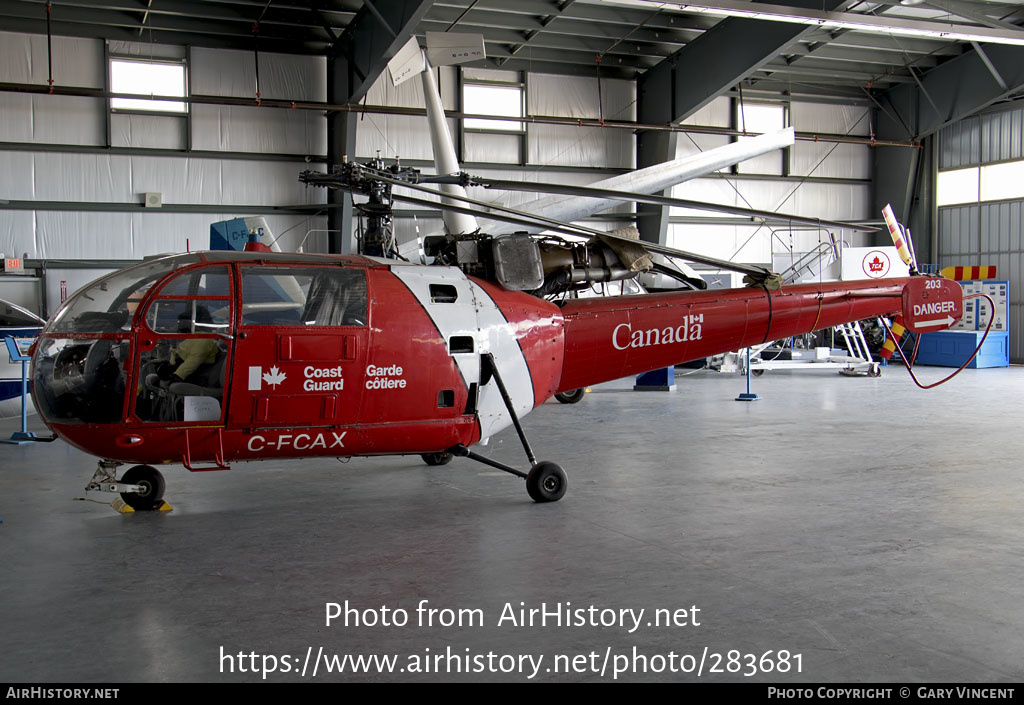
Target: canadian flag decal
<point>273,377</point>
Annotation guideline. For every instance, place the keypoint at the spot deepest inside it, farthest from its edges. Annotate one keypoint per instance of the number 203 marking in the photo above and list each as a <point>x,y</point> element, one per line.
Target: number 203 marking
<point>933,284</point>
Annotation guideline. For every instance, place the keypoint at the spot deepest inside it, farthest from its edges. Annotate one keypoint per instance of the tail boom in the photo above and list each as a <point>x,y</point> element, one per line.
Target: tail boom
<point>609,338</point>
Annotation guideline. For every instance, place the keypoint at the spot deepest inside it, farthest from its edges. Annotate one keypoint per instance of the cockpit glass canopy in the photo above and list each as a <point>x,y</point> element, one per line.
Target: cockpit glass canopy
<point>106,305</point>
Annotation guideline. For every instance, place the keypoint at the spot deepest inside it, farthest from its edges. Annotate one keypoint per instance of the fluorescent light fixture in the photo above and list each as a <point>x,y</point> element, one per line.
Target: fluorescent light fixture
<point>850,20</point>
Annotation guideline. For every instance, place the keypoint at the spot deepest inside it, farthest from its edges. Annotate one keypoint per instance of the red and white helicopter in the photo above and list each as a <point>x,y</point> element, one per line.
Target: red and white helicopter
<point>212,358</point>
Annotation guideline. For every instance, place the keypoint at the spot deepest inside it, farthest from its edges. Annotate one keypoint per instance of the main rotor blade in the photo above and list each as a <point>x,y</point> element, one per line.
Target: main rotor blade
<point>503,213</point>
<point>589,192</point>
<point>559,225</point>
<point>521,217</point>
<point>511,215</point>
<point>565,229</point>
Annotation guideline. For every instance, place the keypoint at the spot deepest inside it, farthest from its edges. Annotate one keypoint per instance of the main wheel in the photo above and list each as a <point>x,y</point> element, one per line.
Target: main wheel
<point>756,372</point>
<point>546,482</point>
<point>573,396</point>
<point>442,458</point>
<point>153,486</point>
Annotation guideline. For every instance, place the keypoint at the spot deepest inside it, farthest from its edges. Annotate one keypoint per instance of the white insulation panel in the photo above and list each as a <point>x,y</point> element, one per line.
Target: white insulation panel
<point>151,131</point>
<point>282,76</point>
<point>76,62</point>
<point>831,201</point>
<point>410,93</point>
<point>251,129</point>
<point>826,117</point>
<point>108,178</point>
<point>751,243</point>
<point>717,113</point>
<point>88,235</point>
<point>403,135</point>
<point>53,119</point>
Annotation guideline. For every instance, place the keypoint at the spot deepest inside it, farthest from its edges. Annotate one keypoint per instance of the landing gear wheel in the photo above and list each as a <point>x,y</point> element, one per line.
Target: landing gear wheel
<point>153,486</point>
<point>442,458</point>
<point>573,396</point>
<point>546,482</point>
<point>874,370</point>
<point>756,372</point>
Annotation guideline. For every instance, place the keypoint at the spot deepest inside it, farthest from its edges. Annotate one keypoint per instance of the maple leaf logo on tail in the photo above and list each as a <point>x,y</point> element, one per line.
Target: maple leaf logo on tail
<point>274,377</point>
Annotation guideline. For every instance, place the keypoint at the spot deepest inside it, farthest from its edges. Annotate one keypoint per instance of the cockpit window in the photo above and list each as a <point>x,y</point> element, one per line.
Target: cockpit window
<point>195,301</point>
<point>300,296</point>
<point>200,282</point>
<point>189,316</point>
<point>107,305</point>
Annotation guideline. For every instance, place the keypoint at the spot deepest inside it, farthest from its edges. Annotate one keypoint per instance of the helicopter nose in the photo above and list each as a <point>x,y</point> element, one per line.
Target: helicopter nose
<point>79,380</point>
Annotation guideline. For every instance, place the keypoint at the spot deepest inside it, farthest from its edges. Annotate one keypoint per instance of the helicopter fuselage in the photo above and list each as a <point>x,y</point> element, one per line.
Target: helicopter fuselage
<point>307,355</point>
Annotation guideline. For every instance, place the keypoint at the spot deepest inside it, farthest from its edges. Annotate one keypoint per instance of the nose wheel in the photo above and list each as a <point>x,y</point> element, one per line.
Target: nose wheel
<point>151,484</point>
<point>141,487</point>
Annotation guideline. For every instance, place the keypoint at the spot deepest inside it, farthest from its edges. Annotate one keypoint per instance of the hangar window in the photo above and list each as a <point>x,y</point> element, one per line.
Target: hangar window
<point>957,186</point>
<point>148,78</point>
<point>1002,181</point>
<point>761,118</point>
<point>501,100</point>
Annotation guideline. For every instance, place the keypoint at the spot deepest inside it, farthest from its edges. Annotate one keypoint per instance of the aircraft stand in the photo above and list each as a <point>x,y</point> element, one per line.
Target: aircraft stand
<point>23,436</point>
<point>546,481</point>
<point>748,396</point>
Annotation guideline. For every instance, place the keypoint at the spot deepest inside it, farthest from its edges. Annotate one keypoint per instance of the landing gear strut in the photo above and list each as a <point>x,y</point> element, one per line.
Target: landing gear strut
<point>141,487</point>
<point>546,481</point>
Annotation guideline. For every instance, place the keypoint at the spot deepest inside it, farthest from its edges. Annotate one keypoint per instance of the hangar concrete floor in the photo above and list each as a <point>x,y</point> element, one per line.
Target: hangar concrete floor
<point>872,528</point>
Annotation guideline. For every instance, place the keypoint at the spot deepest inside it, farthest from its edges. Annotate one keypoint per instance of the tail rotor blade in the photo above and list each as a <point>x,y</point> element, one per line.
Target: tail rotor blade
<point>896,232</point>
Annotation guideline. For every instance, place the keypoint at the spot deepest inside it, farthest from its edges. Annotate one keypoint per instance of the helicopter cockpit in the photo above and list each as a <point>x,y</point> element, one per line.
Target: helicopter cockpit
<point>82,358</point>
<point>163,330</point>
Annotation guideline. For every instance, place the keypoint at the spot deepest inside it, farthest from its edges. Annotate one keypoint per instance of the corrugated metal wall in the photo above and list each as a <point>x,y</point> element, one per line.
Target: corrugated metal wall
<point>987,233</point>
<point>983,139</point>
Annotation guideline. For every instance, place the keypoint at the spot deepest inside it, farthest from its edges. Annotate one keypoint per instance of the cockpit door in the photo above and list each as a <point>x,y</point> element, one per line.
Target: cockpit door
<point>184,350</point>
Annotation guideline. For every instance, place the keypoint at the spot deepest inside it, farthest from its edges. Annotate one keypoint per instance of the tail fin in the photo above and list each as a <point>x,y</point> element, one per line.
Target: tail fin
<point>235,233</point>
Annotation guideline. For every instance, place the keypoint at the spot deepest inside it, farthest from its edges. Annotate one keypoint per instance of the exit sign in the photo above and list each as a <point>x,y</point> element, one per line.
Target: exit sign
<point>13,265</point>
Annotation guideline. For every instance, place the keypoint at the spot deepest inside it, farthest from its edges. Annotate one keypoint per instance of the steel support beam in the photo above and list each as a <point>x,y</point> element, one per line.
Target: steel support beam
<point>372,39</point>
<point>360,55</point>
<point>695,75</point>
<point>952,91</point>
<point>653,148</point>
<point>341,145</point>
<point>715,62</point>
